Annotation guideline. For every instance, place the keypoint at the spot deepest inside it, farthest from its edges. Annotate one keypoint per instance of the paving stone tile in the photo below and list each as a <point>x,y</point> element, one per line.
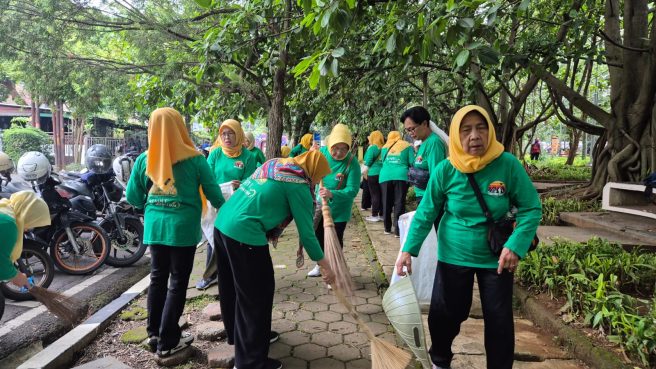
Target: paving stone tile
<point>212,311</point>
<point>295,338</point>
<point>299,315</point>
<point>369,309</point>
<point>283,325</point>
<point>326,339</point>
<point>221,356</point>
<point>327,316</point>
<point>289,290</point>
<point>294,363</point>
<point>326,363</point>
<point>277,314</point>
<point>279,350</point>
<point>344,352</point>
<point>327,299</point>
<point>309,351</point>
<point>211,331</point>
<point>356,339</point>
<point>342,327</point>
<point>287,306</point>
<point>338,308</point>
<point>378,328</point>
<point>315,306</point>
<point>312,326</point>
<point>379,318</point>
<point>359,364</point>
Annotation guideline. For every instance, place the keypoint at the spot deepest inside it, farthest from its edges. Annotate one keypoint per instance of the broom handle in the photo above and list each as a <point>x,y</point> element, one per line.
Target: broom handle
<point>325,209</point>
<point>353,313</point>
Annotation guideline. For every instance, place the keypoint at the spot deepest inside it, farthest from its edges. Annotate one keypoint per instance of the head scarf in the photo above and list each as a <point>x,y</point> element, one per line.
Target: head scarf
<point>284,151</point>
<point>376,138</point>
<point>340,134</point>
<point>168,143</point>
<point>306,141</point>
<point>313,162</point>
<point>29,211</point>
<point>239,138</point>
<point>463,161</point>
<point>251,140</point>
<point>395,143</point>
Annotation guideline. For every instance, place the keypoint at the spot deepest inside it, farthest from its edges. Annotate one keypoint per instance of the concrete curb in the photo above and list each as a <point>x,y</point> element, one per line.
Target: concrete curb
<point>61,353</point>
<point>379,274</point>
<point>581,346</point>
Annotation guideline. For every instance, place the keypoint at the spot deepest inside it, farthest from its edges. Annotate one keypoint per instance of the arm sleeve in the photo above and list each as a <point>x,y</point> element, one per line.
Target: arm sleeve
<point>425,216</point>
<point>260,158</point>
<point>436,155</point>
<point>211,159</point>
<point>136,192</point>
<point>409,154</point>
<point>370,155</point>
<point>294,151</point>
<point>529,210</point>
<point>352,185</point>
<point>7,243</point>
<point>249,166</point>
<point>301,206</point>
<point>208,183</point>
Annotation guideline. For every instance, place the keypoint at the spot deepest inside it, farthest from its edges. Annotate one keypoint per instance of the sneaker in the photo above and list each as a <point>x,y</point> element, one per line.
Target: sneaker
<point>380,218</point>
<point>273,364</point>
<point>185,341</point>
<point>204,284</point>
<point>315,272</point>
<point>397,236</point>
<point>373,219</point>
<point>387,232</point>
<point>441,367</point>
<point>273,336</point>
<point>152,343</point>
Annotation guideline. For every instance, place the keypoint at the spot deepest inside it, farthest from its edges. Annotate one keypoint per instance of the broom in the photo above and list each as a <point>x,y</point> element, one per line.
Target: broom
<point>57,303</point>
<point>384,354</point>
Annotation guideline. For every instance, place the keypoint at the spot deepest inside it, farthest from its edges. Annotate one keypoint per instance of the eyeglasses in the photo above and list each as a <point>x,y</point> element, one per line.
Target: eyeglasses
<point>411,129</point>
<point>228,134</point>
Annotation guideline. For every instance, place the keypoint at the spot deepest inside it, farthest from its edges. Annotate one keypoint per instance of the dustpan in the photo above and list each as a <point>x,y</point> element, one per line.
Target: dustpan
<point>402,309</point>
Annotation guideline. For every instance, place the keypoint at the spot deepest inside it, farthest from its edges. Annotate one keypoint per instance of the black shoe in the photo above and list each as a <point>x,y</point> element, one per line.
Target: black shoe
<point>152,343</point>
<point>273,364</point>
<point>185,341</point>
<point>273,336</point>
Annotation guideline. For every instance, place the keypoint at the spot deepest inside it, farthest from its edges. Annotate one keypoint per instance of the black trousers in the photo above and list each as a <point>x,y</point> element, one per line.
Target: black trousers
<point>450,305</point>
<point>366,195</point>
<point>247,284</point>
<point>535,155</point>
<point>376,196</point>
<point>394,193</point>
<point>340,227</point>
<point>166,300</point>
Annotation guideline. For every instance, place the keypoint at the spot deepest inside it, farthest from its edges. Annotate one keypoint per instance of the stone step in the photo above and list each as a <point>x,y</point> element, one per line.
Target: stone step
<point>643,230</point>
<point>108,362</point>
<point>548,234</point>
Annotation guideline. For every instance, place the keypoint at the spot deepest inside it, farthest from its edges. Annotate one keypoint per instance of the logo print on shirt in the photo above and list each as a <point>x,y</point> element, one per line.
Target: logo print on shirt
<point>418,160</point>
<point>496,188</point>
<point>339,176</point>
<point>239,164</point>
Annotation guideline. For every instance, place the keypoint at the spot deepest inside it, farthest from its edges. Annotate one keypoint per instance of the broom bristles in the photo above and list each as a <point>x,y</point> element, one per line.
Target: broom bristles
<point>57,303</point>
<point>385,355</point>
<point>335,255</point>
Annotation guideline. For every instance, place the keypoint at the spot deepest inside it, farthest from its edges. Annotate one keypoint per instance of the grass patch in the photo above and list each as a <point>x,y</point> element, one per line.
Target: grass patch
<point>552,207</point>
<point>134,313</point>
<point>199,302</point>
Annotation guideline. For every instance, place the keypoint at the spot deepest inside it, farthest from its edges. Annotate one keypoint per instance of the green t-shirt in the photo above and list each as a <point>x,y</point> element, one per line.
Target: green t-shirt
<point>462,233</point>
<point>395,166</point>
<point>173,218</point>
<point>259,156</point>
<point>342,202</point>
<point>297,150</point>
<point>260,205</point>
<point>9,234</point>
<point>430,153</point>
<point>373,158</point>
<point>228,169</point>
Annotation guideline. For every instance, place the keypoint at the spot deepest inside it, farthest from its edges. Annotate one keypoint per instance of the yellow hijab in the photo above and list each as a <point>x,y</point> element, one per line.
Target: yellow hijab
<point>251,140</point>
<point>284,151</point>
<point>340,134</point>
<point>29,211</point>
<point>239,138</point>
<point>395,143</point>
<point>313,163</point>
<point>168,143</point>
<point>376,138</point>
<point>306,141</point>
<point>464,162</point>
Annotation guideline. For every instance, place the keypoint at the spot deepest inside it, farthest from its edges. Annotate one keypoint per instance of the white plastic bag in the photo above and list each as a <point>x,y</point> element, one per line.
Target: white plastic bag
<point>424,265</point>
<point>226,190</point>
<point>207,223</point>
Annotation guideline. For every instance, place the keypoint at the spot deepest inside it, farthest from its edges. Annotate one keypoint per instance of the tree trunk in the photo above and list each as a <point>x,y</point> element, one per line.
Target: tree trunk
<point>575,137</point>
<point>37,117</point>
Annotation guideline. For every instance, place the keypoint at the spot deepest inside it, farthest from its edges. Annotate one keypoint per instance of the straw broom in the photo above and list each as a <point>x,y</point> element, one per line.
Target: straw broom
<point>384,354</point>
<point>57,303</point>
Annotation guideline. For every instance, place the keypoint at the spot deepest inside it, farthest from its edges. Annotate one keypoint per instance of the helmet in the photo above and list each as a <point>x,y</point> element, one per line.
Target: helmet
<point>99,159</point>
<point>33,166</point>
<point>5,162</point>
<point>122,168</point>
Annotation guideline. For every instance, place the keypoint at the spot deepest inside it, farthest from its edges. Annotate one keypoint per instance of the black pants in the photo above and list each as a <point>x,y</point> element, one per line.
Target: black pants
<point>340,227</point>
<point>247,284</point>
<point>394,193</point>
<point>535,155</point>
<point>166,300</point>
<point>450,304</point>
<point>376,196</point>
<point>366,195</point>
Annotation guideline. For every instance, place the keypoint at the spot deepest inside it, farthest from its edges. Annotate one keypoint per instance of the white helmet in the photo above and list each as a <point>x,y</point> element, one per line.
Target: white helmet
<point>6,164</point>
<point>33,166</point>
<point>122,166</point>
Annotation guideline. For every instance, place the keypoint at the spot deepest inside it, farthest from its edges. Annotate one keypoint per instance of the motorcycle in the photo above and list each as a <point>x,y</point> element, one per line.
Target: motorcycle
<point>36,264</point>
<point>93,194</point>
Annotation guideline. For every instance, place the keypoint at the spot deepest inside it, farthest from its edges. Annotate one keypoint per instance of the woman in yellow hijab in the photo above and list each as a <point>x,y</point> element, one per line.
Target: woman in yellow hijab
<point>476,161</point>
<point>284,151</point>
<point>23,210</point>
<point>303,146</point>
<point>397,157</point>
<point>372,165</point>
<point>280,190</point>
<point>168,181</point>
<point>250,145</point>
<point>232,163</point>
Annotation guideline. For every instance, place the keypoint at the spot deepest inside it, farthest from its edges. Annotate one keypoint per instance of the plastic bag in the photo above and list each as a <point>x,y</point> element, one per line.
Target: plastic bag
<point>207,221</point>
<point>424,265</point>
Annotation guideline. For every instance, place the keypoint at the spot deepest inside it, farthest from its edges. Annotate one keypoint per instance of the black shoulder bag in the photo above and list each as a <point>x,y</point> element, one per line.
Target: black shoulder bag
<point>499,231</point>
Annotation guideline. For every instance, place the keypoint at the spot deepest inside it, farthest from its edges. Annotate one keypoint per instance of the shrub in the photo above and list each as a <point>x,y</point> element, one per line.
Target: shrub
<point>552,207</point>
<point>18,140</point>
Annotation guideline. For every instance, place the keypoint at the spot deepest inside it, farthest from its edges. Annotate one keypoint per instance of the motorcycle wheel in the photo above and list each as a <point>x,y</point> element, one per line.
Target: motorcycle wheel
<point>94,248</point>
<point>2,305</point>
<point>40,266</point>
<point>132,249</point>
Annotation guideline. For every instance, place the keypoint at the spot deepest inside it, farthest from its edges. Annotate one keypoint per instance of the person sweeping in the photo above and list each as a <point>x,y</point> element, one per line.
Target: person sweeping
<point>303,146</point>
<point>280,190</point>
<point>171,181</point>
<point>249,143</point>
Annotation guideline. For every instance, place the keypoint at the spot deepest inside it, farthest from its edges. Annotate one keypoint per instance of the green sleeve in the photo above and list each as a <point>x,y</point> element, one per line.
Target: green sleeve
<point>7,242</point>
<point>249,166</point>
<point>208,183</point>
<point>409,155</point>
<point>371,155</point>
<point>301,205</point>
<point>211,159</point>
<point>352,186</point>
<point>260,158</point>
<point>136,192</point>
<point>295,151</point>
<point>436,155</point>
<point>525,197</point>
<point>425,216</point>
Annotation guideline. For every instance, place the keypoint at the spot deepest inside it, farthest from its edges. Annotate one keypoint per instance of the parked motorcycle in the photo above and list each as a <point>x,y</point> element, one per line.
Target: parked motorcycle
<point>36,264</point>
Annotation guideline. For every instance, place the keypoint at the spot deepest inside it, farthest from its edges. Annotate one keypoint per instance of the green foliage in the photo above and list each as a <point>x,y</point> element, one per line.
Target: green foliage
<point>552,207</point>
<point>608,288</point>
<point>19,121</point>
<point>17,140</point>
<point>134,313</point>
<point>553,170</point>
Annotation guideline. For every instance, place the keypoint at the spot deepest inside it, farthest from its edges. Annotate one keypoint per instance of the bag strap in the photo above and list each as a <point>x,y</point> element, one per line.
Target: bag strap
<point>346,172</point>
<point>388,150</point>
<point>479,197</point>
